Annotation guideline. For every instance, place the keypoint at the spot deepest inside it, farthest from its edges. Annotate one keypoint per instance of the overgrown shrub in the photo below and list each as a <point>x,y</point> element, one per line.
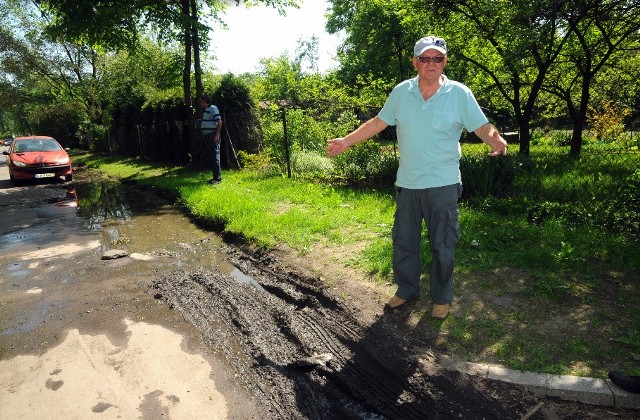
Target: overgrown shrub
<point>616,212</point>
<point>274,142</point>
<point>93,137</point>
<point>367,164</point>
<point>59,120</point>
<point>241,122</point>
<point>304,134</point>
<point>260,163</point>
<point>560,138</point>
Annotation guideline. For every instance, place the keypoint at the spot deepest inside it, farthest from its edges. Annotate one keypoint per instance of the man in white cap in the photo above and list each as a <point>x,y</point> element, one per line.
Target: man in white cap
<point>429,112</point>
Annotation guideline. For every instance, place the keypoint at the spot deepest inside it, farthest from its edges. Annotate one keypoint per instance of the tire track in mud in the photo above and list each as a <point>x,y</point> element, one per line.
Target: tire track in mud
<point>264,330</point>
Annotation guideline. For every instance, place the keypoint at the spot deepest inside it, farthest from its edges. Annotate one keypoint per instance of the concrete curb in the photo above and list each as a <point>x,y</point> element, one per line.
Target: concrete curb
<point>592,391</point>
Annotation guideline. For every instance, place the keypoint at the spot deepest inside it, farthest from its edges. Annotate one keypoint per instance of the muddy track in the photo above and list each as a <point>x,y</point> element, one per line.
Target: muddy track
<point>267,330</point>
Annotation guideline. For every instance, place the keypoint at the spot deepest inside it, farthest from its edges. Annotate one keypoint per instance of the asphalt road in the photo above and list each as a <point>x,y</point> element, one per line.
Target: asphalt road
<point>81,337</point>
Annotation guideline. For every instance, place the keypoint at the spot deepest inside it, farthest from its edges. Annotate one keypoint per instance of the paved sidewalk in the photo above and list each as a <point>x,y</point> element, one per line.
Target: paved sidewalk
<point>593,391</point>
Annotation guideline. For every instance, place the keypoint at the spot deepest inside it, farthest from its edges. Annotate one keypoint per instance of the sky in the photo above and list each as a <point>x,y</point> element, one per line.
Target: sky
<point>260,32</point>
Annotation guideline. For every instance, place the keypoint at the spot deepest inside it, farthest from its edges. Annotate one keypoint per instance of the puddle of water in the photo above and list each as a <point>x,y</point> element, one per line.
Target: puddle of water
<point>244,279</point>
<point>140,222</point>
<point>29,321</point>
<point>143,223</point>
<point>69,200</point>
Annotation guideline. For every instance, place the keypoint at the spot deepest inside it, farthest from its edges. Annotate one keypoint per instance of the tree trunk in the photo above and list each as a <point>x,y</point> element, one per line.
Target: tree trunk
<point>196,52</point>
<point>580,118</point>
<point>524,128</point>
<point>195,141</point>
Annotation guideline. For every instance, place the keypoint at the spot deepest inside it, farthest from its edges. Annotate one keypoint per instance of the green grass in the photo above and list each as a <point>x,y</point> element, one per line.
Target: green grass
<point>544,297</point>
<point>264,211</point>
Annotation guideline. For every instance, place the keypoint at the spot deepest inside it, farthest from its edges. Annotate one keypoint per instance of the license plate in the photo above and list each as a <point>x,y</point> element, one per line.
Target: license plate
<point>47,175</point>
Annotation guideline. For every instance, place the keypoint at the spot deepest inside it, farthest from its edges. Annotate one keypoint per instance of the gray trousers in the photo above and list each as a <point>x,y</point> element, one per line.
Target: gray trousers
<point>438,207</point>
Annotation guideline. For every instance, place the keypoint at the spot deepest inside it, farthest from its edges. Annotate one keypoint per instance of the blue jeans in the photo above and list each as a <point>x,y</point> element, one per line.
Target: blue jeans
<point>213,155</point>
<point>438,207</point>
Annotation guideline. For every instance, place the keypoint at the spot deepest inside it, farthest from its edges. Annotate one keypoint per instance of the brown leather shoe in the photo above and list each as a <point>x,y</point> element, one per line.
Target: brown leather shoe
<point>395,302</point>
<point>440,311</point>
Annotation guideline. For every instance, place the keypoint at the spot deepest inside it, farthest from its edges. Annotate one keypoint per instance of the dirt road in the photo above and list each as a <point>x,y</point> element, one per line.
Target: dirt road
<point>169,333</point>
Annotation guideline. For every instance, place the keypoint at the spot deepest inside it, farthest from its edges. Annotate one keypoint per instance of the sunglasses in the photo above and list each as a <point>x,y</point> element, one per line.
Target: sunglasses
<point>430,59</point>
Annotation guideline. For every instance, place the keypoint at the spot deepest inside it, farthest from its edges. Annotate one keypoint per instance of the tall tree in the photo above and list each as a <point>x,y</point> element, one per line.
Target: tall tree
<point>378,41</point>
<point>602,30</point>
<point>513,43</point>
<point>54,70</point>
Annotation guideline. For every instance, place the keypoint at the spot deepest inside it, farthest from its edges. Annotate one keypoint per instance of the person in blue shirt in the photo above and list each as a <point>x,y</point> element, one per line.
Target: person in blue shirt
<point>211,125</point>
<point>429,112</point>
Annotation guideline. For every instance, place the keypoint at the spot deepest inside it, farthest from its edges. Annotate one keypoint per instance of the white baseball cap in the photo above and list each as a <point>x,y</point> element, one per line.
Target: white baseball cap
<point>430,43</point>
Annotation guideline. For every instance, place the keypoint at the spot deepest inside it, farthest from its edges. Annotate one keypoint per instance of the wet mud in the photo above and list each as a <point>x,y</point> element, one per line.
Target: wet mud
<point>379,371</point>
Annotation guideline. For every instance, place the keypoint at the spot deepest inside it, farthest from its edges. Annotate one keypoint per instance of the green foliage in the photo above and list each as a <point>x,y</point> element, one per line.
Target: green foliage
<point>259,163</point>
<point>92,137</point>
<point>483,175</point>
<point>148,75</point>
<point>379,39</point>
<point>59,120</point>
<point>607,120</point>
<point>111,24</point>
<point>367,164</point>
<point>311,165</point>
<point>615,209</point>
<point>241,120</point>
<point>280,80</point>
<point>305,134</point>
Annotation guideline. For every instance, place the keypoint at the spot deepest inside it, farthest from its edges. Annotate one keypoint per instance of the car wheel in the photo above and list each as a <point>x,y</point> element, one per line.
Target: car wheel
<point>68,178</point>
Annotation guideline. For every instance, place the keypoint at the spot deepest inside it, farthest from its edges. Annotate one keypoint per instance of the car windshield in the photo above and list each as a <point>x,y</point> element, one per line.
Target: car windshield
<point>40,145</point>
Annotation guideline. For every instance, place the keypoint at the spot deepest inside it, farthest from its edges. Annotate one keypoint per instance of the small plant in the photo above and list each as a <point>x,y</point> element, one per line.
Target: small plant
<point>311,165</point>
<point>607,120</point>
<point>260,163</point>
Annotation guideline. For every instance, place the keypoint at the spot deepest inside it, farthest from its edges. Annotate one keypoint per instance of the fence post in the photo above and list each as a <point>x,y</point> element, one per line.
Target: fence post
<point>286,139</point>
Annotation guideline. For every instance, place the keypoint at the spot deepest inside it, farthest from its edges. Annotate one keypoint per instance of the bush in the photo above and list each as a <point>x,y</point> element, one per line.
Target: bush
<point>59,120</point>
<point>305,135</point>
<point>615,212</point>
<point>367,164</point>
<point>607,120</point>
<point>311,165</point>
<point>260,163</point>
<point>93,137</point>
<point>239,113</point>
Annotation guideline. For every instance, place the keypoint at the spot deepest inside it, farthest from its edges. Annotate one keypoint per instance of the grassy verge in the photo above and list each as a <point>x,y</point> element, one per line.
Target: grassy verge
<point>543,298</point>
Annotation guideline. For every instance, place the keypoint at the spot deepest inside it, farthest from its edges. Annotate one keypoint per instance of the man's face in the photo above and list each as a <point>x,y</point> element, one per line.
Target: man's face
<point>430,64</point>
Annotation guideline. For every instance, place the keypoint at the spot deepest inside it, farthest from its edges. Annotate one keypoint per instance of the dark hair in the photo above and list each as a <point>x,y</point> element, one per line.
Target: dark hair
<point>206,98</point>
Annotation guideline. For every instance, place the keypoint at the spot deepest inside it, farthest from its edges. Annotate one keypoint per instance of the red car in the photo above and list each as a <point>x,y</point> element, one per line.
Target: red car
<point>37,157</point>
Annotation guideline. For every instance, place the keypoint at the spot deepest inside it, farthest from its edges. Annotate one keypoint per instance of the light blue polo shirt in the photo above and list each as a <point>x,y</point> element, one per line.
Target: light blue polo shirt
<point>429,131</point>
